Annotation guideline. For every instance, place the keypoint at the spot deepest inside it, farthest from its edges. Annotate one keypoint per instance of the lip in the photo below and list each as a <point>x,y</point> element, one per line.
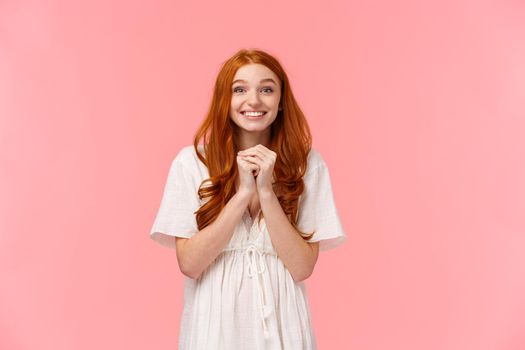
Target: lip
<point>256,117</point>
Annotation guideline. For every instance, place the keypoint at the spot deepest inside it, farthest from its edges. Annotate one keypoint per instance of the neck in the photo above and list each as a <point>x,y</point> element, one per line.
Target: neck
<point>246,139</point>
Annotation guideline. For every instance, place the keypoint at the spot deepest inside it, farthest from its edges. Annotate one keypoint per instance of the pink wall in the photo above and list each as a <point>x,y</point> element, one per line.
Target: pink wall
<point>418,108</point>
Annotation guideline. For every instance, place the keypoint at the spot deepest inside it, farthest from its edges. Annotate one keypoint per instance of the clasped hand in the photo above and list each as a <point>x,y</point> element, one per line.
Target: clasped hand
<point>264,159</point>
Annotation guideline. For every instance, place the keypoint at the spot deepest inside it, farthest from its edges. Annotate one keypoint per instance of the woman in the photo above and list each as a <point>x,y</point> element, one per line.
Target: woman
<point>247,212</point>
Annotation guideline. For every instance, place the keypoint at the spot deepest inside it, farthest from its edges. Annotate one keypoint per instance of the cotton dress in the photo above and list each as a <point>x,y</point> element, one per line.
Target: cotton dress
<point>246,299</point>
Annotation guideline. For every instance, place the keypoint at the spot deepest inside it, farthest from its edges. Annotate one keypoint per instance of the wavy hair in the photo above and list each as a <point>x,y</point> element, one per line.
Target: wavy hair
<point>291,140</point>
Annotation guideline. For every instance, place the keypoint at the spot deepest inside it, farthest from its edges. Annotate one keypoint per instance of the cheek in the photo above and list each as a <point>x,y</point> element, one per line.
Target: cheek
<point>235,100</point>
<point>272,101</point>
<point>234,116</point>
<point>233,107</point>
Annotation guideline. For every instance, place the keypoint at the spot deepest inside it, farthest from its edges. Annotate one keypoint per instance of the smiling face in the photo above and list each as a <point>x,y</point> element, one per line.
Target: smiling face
<point>255,89</point>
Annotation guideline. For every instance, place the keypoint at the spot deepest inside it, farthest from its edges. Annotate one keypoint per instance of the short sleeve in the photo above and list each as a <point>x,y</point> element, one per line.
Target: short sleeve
<point>317,209</point>
<point>175,216</point>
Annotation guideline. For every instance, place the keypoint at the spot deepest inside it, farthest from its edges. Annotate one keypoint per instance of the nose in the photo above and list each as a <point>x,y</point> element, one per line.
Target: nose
<point>253,98</point>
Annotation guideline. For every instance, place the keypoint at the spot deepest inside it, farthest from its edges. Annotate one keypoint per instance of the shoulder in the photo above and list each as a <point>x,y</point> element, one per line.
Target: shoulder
<point>187,154</point>
<point>187,157</point>
<point>315,161</point>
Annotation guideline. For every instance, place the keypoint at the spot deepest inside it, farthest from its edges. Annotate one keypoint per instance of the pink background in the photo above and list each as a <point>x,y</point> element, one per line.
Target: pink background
<point>418,108</point>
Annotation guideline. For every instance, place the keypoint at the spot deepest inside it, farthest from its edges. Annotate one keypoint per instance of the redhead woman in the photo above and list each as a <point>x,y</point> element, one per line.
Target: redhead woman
<point>247,207</point>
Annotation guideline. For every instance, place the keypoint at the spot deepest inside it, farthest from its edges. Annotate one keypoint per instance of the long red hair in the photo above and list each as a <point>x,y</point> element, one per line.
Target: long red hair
<point>290,137</point>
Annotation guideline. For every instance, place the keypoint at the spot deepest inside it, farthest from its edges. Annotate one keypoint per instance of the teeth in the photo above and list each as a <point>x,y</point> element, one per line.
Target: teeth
<point>253,114</point>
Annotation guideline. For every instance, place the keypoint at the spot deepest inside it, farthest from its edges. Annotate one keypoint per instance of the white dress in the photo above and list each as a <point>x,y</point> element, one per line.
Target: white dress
<point>246,298</point>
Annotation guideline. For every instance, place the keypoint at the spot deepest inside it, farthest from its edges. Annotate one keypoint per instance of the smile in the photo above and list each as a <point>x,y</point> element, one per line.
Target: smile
<point>253,114</point>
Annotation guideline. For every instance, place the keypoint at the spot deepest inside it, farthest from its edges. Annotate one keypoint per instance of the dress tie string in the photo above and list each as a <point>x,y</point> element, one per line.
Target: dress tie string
<point>256,267</point>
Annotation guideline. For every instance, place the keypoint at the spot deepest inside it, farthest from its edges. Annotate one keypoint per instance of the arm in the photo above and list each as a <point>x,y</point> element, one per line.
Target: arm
<point>298,256</point>
<point>195,254</point>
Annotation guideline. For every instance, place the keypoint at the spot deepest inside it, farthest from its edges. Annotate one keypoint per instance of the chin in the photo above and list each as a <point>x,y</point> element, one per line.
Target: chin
<point>254,129</point>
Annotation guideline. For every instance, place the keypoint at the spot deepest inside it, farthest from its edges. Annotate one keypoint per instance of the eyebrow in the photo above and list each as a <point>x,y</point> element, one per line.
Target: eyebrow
<point>262,81</point>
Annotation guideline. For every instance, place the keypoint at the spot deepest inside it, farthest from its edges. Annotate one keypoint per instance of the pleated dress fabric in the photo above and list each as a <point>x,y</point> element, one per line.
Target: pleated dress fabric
<point>246,299</point>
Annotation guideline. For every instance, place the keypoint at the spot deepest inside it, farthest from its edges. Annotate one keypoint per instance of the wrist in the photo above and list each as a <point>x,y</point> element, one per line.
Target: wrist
<point>266,193</point>
<point>243,194</point>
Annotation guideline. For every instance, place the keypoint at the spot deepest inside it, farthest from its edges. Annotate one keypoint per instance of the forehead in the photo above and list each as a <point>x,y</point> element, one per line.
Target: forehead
<point>255,72</point>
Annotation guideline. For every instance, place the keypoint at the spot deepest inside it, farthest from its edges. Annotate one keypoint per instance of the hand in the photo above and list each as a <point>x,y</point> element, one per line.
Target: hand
<point>264,159</point>
<point>247,170</point>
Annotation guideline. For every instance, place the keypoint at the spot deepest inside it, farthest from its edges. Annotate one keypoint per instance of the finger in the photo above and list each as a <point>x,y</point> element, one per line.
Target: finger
<point>254,163</point>
<point>253,152</point>
<point>242,159</point>
<point>244,163</point>
<point>263,163</point>
<point>263,149</point>
<point>248,164</point>
<point>257,167</point>
<point>266,154</point>
<point>270,155</point>
<point>253,168</point>
<point>254,160</point>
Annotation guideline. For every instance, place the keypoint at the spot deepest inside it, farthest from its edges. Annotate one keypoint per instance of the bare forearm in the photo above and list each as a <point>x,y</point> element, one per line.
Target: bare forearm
<point>204,246</point>
<point>296,254</point>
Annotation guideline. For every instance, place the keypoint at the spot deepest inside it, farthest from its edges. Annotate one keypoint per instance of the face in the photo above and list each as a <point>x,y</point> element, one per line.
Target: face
<point>255,88</point>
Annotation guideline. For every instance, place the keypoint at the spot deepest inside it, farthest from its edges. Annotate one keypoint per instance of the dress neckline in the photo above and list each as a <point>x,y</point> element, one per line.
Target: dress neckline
<point>250,222</point>
<point>256,215</point>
